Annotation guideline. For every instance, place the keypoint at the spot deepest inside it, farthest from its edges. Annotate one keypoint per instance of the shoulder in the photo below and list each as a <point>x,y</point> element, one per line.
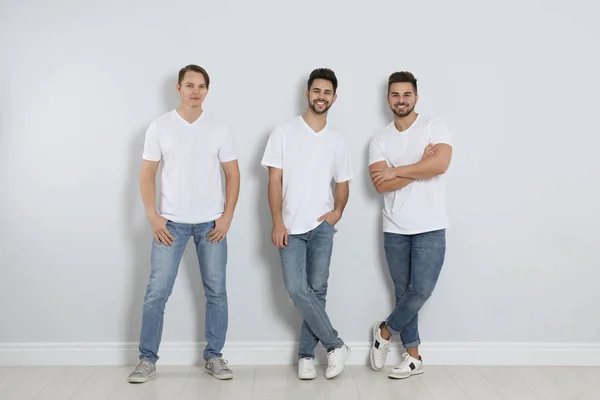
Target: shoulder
<point>215,121</point>
<point>286,127</point>
<point>430,120</point>
<point>383,133</point>
<point>161,124</point>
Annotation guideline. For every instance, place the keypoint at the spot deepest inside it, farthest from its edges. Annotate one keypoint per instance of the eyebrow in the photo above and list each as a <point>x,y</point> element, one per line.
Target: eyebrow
<point>403,93</point>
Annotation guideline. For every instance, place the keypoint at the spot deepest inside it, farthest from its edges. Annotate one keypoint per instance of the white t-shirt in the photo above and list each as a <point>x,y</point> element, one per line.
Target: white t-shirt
<point>310,161</point>
<point>420,206</point>
<point>191,190</point>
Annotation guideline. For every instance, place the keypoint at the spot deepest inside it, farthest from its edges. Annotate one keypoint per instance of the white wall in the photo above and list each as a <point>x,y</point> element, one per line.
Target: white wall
<point>517,80</point>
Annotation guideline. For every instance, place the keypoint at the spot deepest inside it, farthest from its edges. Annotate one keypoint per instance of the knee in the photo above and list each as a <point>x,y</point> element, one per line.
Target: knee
<point>420,295</point>
<point>216,297</point>
<point>296,290</point>
<point>156,295</point>
<point>320,289</point>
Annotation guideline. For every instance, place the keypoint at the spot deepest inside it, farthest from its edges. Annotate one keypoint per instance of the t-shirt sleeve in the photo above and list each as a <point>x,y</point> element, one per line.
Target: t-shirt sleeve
<point>151,144</point>
<point>375,151</point>
<point>273,155</point>
<point>227,151</point>
<point>439,132</point>
<point>343,166</point>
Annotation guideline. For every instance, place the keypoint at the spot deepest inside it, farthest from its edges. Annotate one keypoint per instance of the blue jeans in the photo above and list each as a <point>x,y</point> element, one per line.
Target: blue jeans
<point>165,264</point>
<point>415,263</point>
<point>305,262</point>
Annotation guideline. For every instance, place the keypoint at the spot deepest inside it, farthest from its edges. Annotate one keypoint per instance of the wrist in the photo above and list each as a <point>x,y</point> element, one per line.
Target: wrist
<point>228,214</point>
<point>151,213</point>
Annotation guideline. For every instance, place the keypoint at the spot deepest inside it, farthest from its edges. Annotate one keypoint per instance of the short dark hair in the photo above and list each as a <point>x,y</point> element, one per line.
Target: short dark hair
<point>403,76</point>
<point>323,73</point>
<point>194,68</point>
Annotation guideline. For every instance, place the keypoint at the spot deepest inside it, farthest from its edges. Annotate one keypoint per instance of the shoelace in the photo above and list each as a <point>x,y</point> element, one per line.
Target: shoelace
<point>219,363</point>
<point>331,358</point>
<point>405,361</point>
<point>142,366</point>
<point>383,348</point>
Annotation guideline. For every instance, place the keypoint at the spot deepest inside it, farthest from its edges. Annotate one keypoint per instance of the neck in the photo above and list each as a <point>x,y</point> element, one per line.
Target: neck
<point>403,123</point>
<point>316,121</point>
<point>190,114</point>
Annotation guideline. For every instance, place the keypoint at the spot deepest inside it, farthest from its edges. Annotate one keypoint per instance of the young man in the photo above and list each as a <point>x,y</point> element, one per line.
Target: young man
<point>303,156</point>
<point>193,146</point>
<point>407,162</point>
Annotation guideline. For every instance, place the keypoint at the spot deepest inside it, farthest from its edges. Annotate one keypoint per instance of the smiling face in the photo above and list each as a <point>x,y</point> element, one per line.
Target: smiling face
<point>402,98</point>
<point>192,89</point>
<point>321,96</point>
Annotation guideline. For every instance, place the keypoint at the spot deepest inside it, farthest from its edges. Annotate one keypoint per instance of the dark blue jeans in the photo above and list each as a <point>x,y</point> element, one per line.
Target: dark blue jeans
<point>415,263</point>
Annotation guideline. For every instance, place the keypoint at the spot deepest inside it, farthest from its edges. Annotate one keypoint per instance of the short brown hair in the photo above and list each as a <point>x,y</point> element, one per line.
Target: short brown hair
<point>403,76</point>
<point>323,73</point>
<point>194,68</point>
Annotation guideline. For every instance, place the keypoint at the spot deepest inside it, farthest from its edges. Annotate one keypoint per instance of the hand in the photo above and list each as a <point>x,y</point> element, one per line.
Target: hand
<point>331,217</point>
<point>279,236</point>
<point>378,176</point>
<point>429,151</point>
<point>220,230</point>
<point>159,228</point>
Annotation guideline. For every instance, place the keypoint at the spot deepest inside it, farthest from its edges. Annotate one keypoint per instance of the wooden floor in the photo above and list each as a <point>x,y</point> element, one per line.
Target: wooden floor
<point>277,382</point>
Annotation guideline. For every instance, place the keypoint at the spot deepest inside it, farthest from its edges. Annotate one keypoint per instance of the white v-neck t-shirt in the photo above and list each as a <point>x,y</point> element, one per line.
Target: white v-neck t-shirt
<point>190,187</point>
<point>421,205</point>
<point>310,161</point>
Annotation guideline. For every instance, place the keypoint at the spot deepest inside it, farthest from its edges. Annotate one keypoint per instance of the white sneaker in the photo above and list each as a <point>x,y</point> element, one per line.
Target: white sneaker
<point>336,359</point>
<point>379,349</point>
<point>409,366</point>
<point>306,368</point>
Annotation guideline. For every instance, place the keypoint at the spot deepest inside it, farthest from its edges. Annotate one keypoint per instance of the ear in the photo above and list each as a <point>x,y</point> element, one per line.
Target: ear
<point>334,98</point>
<point>178,88</point>
<point>307,94</point>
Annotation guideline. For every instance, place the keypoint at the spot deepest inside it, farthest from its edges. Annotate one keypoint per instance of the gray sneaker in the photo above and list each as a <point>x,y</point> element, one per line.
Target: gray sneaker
<point>217,367</point>
<point>142,372</point>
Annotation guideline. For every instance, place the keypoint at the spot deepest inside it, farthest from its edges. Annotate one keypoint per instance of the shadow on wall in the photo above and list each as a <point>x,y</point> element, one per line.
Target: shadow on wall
<point>268,253</point>
<point>140,237</point>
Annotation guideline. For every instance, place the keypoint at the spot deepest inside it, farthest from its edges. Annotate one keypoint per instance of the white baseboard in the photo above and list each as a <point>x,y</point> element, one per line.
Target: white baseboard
<point>261,353</point>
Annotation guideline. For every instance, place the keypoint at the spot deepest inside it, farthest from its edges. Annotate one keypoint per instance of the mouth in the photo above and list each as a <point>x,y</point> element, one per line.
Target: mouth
<point>321,103</point>
<point>401,106</point>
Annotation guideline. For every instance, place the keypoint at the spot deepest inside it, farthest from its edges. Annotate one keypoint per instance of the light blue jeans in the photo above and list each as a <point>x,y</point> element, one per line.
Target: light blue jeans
<point>164,266</point>
<point>415,263</point>
<point>305,262</point>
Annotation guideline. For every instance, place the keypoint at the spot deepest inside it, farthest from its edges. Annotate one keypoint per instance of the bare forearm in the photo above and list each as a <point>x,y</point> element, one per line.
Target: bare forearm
<point>342,192</point>
<point>394,184</point>
<point>148,190</point>
<point>232,191</point>
<point>275,200</point>
<point>424,169</point>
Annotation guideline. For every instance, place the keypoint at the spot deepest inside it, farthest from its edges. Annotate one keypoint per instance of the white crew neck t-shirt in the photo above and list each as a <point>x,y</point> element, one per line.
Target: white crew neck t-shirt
<point>310,161</point>
<point>190,188</point>
<point>421,205</point>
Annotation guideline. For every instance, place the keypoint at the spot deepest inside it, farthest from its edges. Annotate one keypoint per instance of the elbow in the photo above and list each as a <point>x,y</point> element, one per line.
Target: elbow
<point>380,189</point>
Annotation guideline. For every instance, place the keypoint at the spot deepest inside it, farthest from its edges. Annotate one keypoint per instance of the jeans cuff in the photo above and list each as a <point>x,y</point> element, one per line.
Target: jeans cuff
<point>390,329</point>
<point>412,344</point>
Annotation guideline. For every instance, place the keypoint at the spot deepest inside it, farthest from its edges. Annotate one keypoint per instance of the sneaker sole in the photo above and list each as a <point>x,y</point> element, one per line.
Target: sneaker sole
<point>392,376</point>
<point>375,327</point>
<point>219,377</point>
<point>307,378</point>
<point>142,380</point>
